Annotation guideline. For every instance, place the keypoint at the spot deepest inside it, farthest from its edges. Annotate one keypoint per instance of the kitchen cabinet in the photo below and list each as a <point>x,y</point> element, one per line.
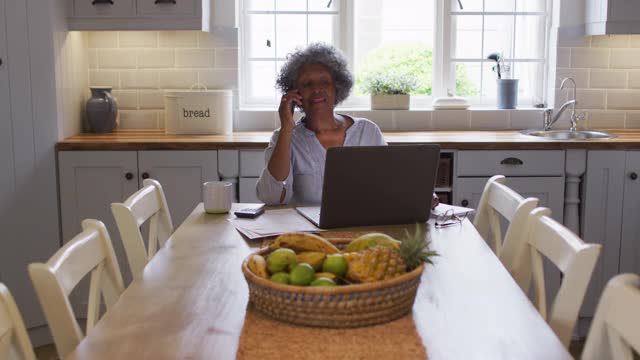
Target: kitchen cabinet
<point>251,165</point>
<point>610,217</point>
<point>181,174</point>
<point>604,17</point>
<point>151,14</point>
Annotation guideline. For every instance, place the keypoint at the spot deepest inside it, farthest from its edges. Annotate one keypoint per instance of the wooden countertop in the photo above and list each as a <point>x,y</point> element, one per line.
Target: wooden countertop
<point>472,140</point>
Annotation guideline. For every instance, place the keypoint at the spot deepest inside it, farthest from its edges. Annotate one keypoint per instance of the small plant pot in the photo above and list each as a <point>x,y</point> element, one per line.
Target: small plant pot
<point>389,102</point>
<point>507,93</point>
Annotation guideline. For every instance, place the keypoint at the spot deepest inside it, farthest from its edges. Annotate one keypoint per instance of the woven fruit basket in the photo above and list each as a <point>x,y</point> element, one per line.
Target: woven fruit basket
<point>335,307</point>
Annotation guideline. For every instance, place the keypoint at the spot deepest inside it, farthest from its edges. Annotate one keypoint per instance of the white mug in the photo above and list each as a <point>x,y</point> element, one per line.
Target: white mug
<point>217,196</point>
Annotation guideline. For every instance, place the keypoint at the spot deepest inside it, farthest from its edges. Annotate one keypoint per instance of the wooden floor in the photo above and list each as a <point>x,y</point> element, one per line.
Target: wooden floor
<point>48,352</point>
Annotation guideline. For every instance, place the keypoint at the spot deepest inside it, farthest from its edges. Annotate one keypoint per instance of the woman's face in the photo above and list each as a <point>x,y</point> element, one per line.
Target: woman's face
<point>316,87</point>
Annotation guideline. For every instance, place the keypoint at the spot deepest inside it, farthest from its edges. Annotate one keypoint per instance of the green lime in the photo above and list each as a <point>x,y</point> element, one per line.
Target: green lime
<point>302,274</point>
<point>281,277</point>
<point>279,260</point>
<point>335,264</point>
<point>323,281</point>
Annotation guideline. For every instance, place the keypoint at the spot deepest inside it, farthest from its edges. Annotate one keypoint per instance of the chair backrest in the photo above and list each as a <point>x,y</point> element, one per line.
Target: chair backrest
<point>498,199</point>
<point>615,329</point>
<point>148,203</point>
<point>88,252</point>
<point>14,341</point>
<point>574,258</point>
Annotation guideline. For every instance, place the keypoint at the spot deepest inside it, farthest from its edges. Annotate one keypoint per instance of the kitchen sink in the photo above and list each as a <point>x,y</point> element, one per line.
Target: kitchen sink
<point>568,135</point>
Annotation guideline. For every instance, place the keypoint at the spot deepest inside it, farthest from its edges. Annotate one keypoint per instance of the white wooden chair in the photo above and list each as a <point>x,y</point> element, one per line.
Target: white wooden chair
<point>88,252</point>
<point>574,258</point>
<point>148,203</point>
<point>615,329</point>
<point>498,199</point>
<point>14,341</point>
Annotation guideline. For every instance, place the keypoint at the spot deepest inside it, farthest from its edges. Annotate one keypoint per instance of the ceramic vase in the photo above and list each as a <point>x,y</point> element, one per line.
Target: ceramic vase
<point>102,110</point>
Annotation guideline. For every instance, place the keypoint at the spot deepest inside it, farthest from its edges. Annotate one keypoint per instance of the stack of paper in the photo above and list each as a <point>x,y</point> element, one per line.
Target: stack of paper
<point>272,223</point>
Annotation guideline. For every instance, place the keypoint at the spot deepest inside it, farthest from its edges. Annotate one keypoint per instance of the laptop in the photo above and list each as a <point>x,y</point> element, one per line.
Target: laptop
<point>376,185</point>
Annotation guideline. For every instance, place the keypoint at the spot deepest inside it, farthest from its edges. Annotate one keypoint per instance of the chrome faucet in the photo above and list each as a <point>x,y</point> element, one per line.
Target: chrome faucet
<point>549,120</point>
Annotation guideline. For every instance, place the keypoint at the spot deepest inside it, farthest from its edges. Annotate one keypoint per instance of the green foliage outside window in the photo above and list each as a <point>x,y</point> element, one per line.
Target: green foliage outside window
<point>406,68</point>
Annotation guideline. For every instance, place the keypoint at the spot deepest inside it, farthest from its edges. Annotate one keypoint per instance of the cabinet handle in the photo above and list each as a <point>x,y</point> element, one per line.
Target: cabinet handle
<point>511,161</point>
<point>102,2</point>
<point>128,176</point>
<point>145,175</point>
<point>0,61</point>
<point>633,176</point>
<point>173,2</point>
<point>464,202</point>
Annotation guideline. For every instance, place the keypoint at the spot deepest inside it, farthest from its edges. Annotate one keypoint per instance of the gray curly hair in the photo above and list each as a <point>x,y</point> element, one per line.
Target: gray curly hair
<point>317,53</point>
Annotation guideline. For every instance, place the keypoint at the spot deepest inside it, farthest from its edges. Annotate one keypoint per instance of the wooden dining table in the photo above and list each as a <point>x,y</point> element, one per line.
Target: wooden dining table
<point>192,302</point>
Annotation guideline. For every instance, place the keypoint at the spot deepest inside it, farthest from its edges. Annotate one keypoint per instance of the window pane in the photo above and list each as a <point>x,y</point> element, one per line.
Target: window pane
<point>531,82</point>
<point>498,35</point>
<point>489,77</point>
<point>261,36</point>
<point>261,79</point>
<point>531,5</point>
<point>468,36</point>
<point>530,32</point>
<point>467,5</point>
<point>292,33</point>
<point>467,79</point>
<point>321,28</point>
<point>259,5</point>
<point>321,5</point>
<point>291,5</point>
<point>499,5</point>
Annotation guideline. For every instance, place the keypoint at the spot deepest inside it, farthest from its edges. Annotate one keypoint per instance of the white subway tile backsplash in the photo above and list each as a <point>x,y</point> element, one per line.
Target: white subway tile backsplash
<point>151,99</point>
<point>382,118</point>
<point>117,59</point>
<point>590,99</point>
<point>156,58</point>
<point>412,120</point>
<point>103,39</point>
<point>226,58</point>
<point>178,39</point>
<point>526,119</point>
<point>177,79</point>
<point>218,39</point>
<point>623,99</point>
<point>563,59</point>
<point>634,41</point>
<point>608,79</point>
<point>581,76</point>
<point>138,39</point>
<point>161,117</point>
<point>138,120</point>
<point>194,58</point>
<point>451,119</point>
<point>625,58</point>
<point>573,41</point>
<point>256,120</point>
<point>610,41</point>
<point>93,58</point>
<point>633,120</point>
<point>219,78</point>
<point>589,58</point>
<point>104,78</point>
<point>490,119</point>
<point>127,99</point>
<point>634,79</point>
<point>605,120</point>
<point>139,79</point>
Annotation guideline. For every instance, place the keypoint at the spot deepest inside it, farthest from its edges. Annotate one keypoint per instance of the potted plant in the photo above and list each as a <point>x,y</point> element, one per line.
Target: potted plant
<point>389,90</point>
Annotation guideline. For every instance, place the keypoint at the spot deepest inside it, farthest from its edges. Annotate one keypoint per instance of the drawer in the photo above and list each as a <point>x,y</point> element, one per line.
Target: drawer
<point>103,8</point>
<point>511,163</point>
<point>167,7</point>
<point>247,189</point>
<point>251,162</point>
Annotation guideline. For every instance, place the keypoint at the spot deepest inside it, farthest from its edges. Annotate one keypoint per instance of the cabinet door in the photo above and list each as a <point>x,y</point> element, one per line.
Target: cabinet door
<point>181,174</point>
<point>103,8</point>
<point>89,182</point>
<point>630,242</point>
<point>602,218</point>
<point>247,190</point>
<point>167,7</point>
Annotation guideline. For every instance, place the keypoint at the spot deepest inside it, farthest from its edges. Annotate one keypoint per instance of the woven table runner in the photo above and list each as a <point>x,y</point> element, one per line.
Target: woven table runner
<point>265,338</point>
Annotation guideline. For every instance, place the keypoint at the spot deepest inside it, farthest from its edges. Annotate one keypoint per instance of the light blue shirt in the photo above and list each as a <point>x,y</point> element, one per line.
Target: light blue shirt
<point>304,183</point>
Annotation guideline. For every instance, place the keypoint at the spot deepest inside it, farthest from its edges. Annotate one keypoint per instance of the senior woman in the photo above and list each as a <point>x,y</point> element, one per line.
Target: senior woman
<point>315,79</point>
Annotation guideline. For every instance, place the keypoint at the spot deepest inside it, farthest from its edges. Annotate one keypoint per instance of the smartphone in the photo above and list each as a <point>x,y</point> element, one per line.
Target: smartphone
<point>250,212</point>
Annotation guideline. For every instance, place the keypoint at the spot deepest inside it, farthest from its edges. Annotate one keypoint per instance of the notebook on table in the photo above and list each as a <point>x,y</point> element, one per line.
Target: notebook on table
<point>376,185</point>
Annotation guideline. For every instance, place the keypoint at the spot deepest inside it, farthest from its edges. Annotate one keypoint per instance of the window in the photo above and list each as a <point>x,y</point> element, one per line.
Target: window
<point>446,52</point>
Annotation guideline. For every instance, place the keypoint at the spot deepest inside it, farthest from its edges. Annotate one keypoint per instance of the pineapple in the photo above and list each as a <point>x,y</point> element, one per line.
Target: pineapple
<point>381,263</point>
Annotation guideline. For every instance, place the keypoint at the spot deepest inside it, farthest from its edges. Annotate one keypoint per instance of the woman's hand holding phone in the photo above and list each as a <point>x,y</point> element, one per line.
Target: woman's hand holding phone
<point>287,105</point>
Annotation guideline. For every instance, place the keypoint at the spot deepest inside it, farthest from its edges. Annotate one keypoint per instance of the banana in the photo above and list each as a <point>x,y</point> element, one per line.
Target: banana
<point>329,275</point>
<point>370,240</point>
<point>258,265</point>
<point>299,242</point>
<point>315,259</point>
